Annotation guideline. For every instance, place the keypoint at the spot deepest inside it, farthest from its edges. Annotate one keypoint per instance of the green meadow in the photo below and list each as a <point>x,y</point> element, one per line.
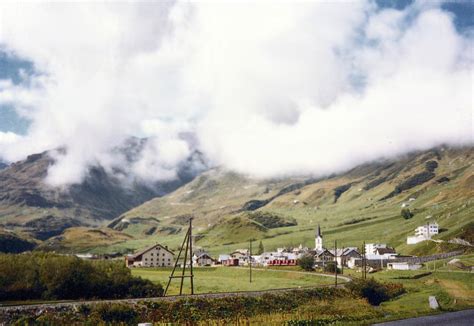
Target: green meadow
<point>228,279</point>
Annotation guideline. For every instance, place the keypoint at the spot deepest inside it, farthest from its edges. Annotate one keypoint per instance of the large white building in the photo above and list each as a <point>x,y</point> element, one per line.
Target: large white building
<point>153,256</point>
<point>424,232</point>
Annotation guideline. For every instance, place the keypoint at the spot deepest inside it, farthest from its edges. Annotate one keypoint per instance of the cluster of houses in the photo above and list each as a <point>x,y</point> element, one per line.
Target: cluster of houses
<point>376,256</point>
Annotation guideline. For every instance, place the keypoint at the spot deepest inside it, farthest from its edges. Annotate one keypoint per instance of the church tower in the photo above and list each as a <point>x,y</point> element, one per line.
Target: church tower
<point>318,239</point>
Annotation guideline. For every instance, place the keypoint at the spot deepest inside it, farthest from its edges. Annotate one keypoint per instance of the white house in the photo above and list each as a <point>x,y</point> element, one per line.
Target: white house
<point>404,266</point>
<point>427,230</point>
<point>371,248</point>
<point>153,256</point>
<point>423,232</point>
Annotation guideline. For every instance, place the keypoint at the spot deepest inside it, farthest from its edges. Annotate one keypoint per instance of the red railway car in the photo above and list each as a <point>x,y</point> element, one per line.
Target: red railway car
<point>286,262</point>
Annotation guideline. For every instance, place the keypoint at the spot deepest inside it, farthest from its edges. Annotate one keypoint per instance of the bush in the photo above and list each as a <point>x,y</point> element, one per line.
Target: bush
<point>406,213</point>
<point>306,262</point>
<point>330,267</point>
<point>375,292</point>
<point>49,276</point>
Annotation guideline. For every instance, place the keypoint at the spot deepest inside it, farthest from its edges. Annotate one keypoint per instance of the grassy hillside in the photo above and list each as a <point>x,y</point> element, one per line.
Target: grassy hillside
<point>83,239</point>
<point>363,204</point>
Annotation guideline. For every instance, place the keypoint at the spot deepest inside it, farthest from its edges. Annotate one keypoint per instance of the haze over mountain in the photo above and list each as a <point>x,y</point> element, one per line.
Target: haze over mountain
<point>29,203</point>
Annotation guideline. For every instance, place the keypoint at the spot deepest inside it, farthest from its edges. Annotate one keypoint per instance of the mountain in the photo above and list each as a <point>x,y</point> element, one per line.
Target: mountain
<point>362,204</point>
<point>28,204</point>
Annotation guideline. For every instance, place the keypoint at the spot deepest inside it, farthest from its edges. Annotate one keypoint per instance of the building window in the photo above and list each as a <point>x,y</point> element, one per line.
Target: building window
<point>163,254</point>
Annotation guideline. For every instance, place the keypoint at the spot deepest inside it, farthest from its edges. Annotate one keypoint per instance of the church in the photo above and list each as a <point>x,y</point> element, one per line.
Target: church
<point>323,255</point>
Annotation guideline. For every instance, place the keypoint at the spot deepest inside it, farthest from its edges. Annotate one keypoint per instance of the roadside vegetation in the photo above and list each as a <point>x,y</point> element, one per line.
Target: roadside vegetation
<point>44,276</point>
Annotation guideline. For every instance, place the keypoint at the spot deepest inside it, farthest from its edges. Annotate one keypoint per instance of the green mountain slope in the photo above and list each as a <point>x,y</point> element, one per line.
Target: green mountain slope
<point>363,204</point>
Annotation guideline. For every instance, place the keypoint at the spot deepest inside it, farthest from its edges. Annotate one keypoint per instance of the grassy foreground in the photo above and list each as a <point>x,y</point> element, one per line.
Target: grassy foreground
<point>228,279</point>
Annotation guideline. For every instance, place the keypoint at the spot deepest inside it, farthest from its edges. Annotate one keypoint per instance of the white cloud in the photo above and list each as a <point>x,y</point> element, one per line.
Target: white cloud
<point>268,88</point>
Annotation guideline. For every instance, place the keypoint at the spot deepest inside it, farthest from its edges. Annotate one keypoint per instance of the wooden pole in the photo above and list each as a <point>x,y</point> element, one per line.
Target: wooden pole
<point>184,265</point>
<point>335,261</point>
<point>250,260</point>
<point>364,271</point>
<point>189,244</point>
<point>342,262</point>
<point>191,253</point>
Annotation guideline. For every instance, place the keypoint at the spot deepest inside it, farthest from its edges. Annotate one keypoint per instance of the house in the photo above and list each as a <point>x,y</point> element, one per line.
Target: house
<point>385,253</point>
<point>242,255</point>
<point>322,257</point>
<point>427,230</point>
<point>423,233</point>
<point>153,256</point>
<point>344,254</point>
<point>300,250</point>
<point>203,259</point>
<point>370,248</point>
<point>403,266</point>
<point>222,258</point>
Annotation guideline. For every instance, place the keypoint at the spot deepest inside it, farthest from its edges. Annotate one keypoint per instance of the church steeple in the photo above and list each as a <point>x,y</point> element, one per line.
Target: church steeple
<point>318,241</point>
<point>318,231</point>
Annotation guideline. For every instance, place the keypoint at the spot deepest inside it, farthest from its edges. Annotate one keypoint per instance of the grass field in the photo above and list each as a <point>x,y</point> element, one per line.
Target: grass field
<point>228,279</point>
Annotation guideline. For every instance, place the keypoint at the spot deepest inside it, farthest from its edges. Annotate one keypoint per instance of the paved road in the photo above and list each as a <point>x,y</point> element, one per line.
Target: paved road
<point>458,318</point>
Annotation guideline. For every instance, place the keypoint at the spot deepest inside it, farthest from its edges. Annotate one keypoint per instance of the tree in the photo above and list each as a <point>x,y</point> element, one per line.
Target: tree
<point>260,248</point>
<point>406,213</point>
<point>306,262</point>
<point>330,267</point>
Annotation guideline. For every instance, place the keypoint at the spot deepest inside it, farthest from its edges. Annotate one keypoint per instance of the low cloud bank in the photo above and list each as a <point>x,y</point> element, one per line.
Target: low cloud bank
<point>265,88</point>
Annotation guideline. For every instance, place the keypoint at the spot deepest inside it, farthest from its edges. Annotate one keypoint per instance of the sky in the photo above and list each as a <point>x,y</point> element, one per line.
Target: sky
<point>265,88</point>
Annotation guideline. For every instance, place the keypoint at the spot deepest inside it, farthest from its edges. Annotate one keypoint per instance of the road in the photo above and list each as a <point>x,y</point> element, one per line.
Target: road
<point>458,318</point>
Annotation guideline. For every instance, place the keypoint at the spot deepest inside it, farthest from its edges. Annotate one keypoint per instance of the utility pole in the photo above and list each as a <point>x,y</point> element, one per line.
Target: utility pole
<point>364,270</point>
<point>191,253</point>
<point>335,261</point>
<point>342,262</point>
<point>189,247</point>
<point>250,260</point>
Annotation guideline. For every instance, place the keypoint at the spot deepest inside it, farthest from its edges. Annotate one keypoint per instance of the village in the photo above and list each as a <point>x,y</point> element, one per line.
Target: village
<point>375,256</point>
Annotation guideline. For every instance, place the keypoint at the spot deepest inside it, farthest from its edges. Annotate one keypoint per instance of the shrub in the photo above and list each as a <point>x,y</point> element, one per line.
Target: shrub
<point>375,292</point>
<point>406,213</point>
<point>330,267</point>
<point>115,313</point>
<point>306,262</point>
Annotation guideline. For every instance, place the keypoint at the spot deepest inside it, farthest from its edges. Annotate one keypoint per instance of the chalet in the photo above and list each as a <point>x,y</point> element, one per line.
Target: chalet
<point>153,256</point>
<point>386,252</point>
<point>203,259</point>
<point>321,257</point>
<point>344,254</point>
<point>222,258</point>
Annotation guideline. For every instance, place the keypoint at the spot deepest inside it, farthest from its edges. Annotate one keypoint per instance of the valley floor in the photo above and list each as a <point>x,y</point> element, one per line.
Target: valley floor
<point>230,279</point>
